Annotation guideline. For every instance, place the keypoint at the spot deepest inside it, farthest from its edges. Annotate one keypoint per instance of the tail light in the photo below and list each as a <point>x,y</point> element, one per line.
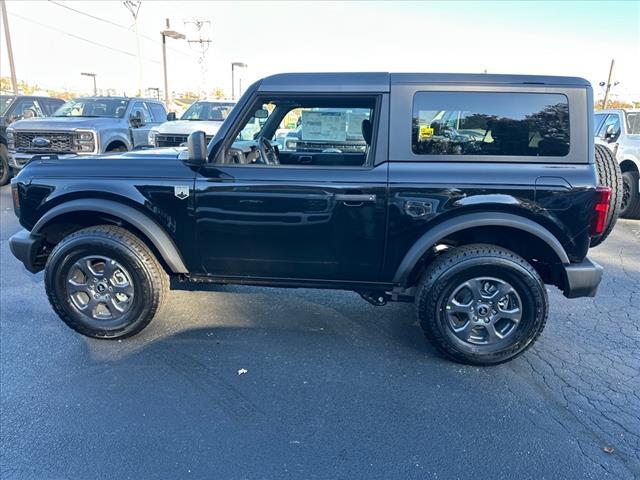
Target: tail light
<point>600,210</point>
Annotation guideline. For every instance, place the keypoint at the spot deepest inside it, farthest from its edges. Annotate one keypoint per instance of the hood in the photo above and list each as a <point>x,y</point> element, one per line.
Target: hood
<point>148,163</point>
<point>64,123</point>
<point>186,127</point>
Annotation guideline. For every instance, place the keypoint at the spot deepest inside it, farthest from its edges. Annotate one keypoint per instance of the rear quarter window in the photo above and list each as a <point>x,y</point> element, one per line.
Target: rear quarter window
<point>490,123</point>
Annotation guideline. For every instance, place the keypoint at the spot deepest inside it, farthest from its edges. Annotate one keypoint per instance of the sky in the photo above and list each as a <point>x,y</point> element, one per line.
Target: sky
<point>53,44</point>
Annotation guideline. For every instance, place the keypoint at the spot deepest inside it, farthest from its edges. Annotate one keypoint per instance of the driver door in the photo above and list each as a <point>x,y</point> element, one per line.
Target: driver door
<point>306,221</point>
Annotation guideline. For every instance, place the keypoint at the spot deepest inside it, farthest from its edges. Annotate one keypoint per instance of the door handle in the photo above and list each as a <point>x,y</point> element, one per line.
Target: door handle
<point>355,197</point>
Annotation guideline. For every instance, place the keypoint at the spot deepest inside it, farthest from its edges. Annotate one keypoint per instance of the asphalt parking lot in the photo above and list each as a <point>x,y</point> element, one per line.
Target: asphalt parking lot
<point>334,388</point>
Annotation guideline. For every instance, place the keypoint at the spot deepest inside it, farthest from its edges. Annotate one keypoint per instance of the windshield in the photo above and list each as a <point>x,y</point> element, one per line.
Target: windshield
<point>211,111</point>
<point>633,123</point>
<point>93,107</point>
<point>5,102</point>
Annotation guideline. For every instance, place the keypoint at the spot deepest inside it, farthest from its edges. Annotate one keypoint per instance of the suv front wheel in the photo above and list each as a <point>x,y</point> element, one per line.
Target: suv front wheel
<point>104,282</point>
<point>481,304</point>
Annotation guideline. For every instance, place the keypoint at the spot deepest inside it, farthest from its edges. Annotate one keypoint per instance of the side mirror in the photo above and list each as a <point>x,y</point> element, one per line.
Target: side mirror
<point>171,116</point>
<point>611,134</point>
<point>197,148</point>
<point>13,118</point>
<point>136,119</point>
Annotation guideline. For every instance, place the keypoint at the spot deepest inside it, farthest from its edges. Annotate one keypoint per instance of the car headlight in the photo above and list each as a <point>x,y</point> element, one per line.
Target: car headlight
<point>85,142</point>
<point>11,140</point>
<point>151,137</point>
<point>290,144</point>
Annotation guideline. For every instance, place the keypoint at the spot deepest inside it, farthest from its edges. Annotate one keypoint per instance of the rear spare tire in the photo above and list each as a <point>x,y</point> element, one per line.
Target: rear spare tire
<point>609,175</point>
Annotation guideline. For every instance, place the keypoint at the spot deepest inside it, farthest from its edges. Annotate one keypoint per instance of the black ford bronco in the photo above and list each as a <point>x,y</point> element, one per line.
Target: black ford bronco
<point>472,193</point>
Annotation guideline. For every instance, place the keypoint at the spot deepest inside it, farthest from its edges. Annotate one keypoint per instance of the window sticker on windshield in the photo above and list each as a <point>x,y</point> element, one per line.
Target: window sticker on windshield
<point>425,133</point>
<point>327,126</point>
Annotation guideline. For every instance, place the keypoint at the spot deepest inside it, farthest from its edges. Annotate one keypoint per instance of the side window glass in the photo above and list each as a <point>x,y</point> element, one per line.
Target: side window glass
<point>488,123</point>
<point>610,129</point>
<point>306,132</point>
<point>158,113</point>
<point>28,108</point>
<point>140,107</point>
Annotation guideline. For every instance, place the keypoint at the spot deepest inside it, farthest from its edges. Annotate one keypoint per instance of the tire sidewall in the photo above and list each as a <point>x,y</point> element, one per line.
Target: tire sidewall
<point>630,178</point>
<point>6,169</point>
<point>529,289</point>
<point>62,260</point>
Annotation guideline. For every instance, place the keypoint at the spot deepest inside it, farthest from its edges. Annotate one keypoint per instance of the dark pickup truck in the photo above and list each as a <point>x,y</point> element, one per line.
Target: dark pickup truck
<point>472,193</point>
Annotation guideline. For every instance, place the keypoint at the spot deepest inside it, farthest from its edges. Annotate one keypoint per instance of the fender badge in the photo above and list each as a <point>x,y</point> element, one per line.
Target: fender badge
<point>181,191</point>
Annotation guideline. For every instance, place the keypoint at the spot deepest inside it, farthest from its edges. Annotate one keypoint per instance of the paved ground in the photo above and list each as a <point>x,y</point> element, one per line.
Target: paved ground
<point>335,388</point>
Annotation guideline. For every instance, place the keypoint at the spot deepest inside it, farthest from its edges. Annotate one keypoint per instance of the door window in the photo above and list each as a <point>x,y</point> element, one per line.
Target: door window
<point>140,107</point>
<point>611,126</point>
<point>597,123</point>
<point>306,132</point>
<point>158,113</point>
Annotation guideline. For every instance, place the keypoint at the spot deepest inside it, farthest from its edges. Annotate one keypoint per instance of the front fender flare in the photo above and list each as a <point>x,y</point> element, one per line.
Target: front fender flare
<point>471,220</point>
<point>154,232</point>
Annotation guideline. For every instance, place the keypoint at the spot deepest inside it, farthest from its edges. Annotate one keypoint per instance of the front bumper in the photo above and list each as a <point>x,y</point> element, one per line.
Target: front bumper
<point>25,247</point>
<point>582,279</point>
<point>18,160</point>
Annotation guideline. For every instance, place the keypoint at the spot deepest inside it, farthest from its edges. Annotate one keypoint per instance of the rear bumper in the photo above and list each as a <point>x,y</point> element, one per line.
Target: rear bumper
<point>582,279</point>
<point>25,247</point>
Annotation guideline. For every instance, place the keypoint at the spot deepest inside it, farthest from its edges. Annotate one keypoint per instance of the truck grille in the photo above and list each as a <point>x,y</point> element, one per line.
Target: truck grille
<point>57,142</point>
<point>168,140</point>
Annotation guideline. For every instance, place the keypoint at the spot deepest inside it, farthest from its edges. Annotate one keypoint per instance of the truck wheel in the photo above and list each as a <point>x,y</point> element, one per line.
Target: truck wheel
<point>609,175</point>
<point>630,207</point>
<point>481,304</point>
<point>104,282</point>
<point>5,169</point>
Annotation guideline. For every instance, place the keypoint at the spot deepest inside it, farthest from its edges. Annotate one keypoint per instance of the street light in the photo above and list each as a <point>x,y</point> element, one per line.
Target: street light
<point>233,78</point>
<point>93,75</point>
<point>176,36</point>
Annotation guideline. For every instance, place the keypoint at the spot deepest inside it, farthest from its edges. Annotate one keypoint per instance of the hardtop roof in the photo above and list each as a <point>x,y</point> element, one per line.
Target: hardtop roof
<point>381,81</point>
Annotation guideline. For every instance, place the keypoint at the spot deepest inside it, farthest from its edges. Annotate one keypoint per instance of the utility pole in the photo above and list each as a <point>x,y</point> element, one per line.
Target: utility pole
<point>7,35</point>
<point>203,44</point>
<point>233,78</point>
<point>177,36</point>
<point>134,8</point>
<point>608,86</point>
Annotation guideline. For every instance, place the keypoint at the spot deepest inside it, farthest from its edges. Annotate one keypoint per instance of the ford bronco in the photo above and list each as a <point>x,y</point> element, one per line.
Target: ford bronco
<point>472,193</point>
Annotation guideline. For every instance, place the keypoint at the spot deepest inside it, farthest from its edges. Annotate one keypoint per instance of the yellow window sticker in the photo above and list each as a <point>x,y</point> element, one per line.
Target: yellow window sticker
<point>424,133</point>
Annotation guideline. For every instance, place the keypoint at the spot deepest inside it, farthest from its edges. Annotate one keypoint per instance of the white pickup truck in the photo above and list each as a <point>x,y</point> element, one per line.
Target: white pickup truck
<point>619,129</point>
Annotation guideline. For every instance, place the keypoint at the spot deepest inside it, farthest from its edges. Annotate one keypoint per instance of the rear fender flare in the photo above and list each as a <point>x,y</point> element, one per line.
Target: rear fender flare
<point>472,220</point>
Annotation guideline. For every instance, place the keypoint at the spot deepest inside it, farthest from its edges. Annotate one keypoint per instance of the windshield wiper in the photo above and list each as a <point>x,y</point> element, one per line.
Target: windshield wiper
<point>77,116</point>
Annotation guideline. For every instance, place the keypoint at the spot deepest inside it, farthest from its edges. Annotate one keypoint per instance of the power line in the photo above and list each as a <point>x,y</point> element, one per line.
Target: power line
<point>124,52</point>
<point>114,24</point>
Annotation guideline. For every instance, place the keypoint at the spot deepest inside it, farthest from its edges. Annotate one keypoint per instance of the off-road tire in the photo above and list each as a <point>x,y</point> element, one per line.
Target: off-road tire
<point>609,175</point>
<point>149,279</point>
<point>468,262</point>
<point>632,208</point>
<point>5,169</point>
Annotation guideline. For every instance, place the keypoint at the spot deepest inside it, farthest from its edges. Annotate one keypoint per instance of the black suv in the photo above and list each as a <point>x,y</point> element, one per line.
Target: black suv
<point>18,107</point>
<point>472,193</point>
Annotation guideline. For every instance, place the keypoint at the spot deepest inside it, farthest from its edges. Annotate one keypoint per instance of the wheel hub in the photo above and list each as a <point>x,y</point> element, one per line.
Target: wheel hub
<point>100,288</point>
<point>483,310</point>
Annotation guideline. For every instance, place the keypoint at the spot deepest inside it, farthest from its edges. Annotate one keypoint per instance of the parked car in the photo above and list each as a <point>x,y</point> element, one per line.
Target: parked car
<point>85,126</point>
<point>619,130</point>
<point>18,107</point>
<point>202,115</point>
<point>470,227</point>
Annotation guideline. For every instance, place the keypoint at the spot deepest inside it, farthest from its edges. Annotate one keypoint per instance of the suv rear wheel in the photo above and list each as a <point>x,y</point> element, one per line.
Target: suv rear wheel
<point>481,304</point>
<point>104,282</point>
